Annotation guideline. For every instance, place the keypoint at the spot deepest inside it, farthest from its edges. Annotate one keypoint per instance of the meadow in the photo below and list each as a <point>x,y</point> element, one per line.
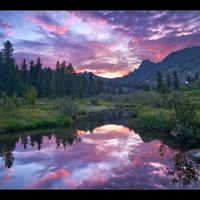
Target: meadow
<point>177,112</point>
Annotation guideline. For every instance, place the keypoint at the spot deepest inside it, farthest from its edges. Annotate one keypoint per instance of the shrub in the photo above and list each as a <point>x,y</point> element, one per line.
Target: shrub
<point>16,100</point>
<point>6,103</point>
<point>161,120</point>
<point>94,100</point>
<point>65,106</point>
<point>31,96</point>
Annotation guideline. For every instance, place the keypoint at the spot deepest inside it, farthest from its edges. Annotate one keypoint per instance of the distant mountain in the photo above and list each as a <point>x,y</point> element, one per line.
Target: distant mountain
<point>185,61</point>
<point>86,74</point>
<point>142,74</point>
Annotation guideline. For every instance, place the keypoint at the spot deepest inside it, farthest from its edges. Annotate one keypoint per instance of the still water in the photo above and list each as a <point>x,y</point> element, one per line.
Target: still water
<point>99,152</point>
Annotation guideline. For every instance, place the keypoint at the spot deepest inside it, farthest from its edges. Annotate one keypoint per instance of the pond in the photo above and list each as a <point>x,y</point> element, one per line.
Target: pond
<point>101,151</point>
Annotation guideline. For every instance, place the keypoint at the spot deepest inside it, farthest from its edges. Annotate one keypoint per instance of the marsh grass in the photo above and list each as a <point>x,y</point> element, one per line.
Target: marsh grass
<point>45,114</point>
<point>30,117</point>
<point>150,110</point>
<point>155,118</point>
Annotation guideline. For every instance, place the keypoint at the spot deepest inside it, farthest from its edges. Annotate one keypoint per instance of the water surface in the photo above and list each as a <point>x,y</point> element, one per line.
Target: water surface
<point>107,156</point>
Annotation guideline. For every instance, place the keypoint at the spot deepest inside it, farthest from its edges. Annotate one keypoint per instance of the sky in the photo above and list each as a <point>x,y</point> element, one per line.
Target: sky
<point>109,43</point>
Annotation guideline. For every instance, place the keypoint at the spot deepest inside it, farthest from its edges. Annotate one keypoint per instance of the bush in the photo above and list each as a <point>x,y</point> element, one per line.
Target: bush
<point>31,96</point>
<point>16,100</point>
<point>6,103</point>
<point>94,100</point>
<point>161,120</point>
<point>65,106</point>
<point>185,118</point>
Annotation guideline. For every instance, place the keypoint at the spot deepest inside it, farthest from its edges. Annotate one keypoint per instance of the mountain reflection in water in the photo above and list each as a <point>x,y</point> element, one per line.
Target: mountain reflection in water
<point>110,156</point>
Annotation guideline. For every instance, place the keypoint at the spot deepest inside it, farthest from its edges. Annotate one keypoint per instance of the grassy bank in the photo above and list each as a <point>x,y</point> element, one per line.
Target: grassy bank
<point>177,112</point>
<point>48,113</point>
<point>86,105</point>
<point>31,117</point>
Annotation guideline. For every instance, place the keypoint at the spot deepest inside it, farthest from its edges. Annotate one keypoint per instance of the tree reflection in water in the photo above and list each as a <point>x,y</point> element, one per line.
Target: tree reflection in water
<point>184,170</point>
<point>67,139</point>
<point>7,146</point>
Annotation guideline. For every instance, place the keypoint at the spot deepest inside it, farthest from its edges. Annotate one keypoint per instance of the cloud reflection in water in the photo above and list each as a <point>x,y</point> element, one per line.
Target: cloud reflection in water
<point>112,157</point>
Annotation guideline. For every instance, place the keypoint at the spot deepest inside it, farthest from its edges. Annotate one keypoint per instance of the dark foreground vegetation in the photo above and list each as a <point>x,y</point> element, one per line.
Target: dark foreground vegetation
<point>32,97</point>
<point>177,113</point>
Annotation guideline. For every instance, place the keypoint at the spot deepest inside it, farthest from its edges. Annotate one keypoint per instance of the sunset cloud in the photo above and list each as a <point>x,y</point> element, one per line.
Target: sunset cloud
<point>61,173</point>
<point>119,160</point>
<point>106,42</point>
<point>44,20</point>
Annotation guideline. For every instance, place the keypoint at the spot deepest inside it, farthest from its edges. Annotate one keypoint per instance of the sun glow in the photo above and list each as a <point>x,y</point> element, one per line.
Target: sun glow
<point>110,74</point>
<point>112,127</point>
<point>106,128</point>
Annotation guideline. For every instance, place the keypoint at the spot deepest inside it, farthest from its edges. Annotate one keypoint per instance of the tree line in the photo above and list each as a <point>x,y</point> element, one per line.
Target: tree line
<point>63,80</point>
<point>49,83</point>
<point>171,82</point>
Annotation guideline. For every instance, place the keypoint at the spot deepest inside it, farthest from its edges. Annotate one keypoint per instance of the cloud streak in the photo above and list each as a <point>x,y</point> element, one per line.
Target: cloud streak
<point>103,42</point>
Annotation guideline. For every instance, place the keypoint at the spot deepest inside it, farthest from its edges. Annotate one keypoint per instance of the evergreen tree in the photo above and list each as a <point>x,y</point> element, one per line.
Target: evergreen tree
<point>24,72</point>
<point>100,86</point>
<point>9,71</point>
<point>57,79</point>
<point>70,69</point>
<point>1,71</point>
<point>32,74</point>
<point>169,83</point>
<point>160,82</point>
<point>64,85</point>
<point>39,78</point>
<point>80,90</point>
<point>85,84</point>
<point>176,81</point>
<point>90,83</point>
<point>113,87</point>
<point>31,95</point>
<point>48,82</point>
<point>7,52</point>
<point>71,77</point>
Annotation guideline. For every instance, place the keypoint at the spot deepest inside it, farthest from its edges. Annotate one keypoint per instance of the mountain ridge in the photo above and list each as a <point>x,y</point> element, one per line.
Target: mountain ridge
<point>185,61</point>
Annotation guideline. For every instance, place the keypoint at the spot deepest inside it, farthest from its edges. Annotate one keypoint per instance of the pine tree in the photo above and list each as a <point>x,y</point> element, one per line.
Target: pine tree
<point>48,82</point>
<point>39,78</point>
<point>24,72</point>
<point>159,80</point>
<point>169,83</point>
<point>176,81</point>
<point>7,52</point>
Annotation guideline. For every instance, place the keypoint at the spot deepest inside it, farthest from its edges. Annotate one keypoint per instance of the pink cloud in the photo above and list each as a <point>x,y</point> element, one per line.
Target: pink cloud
<point>44,20</point>
<point>62,173</point>
<point>6,179</point>
<point>5,25</point>
<point>120,39</point>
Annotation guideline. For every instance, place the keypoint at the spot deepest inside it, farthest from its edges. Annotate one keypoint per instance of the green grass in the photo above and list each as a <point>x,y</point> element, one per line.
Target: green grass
<point>85,105</point>
<point>43,115</point>
<point>30,117</point>
<point>154,118</point>
<point>147,109</point>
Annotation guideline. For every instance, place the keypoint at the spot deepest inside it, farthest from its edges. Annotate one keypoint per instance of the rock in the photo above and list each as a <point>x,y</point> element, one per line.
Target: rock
<point>174,134</point>
<point>194,155</point>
